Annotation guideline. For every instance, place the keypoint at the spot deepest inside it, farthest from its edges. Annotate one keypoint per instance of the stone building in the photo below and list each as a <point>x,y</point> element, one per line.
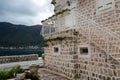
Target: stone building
<point>82,39</point>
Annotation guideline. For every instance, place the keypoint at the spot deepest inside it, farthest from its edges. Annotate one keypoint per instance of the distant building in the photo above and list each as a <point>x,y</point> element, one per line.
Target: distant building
<point>83,39</point>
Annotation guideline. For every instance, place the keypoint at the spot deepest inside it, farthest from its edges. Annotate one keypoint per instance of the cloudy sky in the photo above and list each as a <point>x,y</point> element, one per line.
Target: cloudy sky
<point>28,12</point>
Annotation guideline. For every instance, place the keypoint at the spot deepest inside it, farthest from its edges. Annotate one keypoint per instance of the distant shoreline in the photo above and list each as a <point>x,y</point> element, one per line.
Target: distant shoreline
<point>10,52</point>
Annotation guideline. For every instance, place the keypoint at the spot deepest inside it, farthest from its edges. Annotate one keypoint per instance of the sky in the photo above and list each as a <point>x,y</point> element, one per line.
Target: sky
<point>26,12</point>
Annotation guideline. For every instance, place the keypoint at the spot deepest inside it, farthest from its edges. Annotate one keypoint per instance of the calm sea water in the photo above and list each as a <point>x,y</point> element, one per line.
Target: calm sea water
<point>9,52</point>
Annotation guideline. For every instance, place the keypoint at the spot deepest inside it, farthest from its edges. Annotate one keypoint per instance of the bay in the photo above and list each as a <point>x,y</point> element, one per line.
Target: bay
<point>10,52</point>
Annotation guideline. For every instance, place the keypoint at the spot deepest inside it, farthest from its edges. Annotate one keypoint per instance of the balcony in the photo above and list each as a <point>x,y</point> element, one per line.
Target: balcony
<point>50,32</point>
<point>55,27</point>
<point>47,30</point>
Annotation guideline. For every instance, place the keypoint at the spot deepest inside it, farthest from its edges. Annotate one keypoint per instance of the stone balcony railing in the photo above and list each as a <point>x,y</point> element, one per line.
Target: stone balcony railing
<point>52,32</point>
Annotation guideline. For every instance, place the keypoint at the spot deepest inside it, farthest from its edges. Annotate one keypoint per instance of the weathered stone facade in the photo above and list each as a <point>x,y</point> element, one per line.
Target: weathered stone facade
<point>90,49</point>
<point>9,59</point>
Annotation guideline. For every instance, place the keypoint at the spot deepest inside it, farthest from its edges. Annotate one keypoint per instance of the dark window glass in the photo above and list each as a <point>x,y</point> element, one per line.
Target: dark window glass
<point>84,50</point>
<point>56,49</point>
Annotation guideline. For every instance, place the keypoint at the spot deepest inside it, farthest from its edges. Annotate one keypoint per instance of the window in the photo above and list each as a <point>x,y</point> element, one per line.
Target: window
<point>108,4</point>
<point>84,50</point>
<point>103,5</point>
<point>56,49</point>
<point>100,5</point>
<point>70,20</point>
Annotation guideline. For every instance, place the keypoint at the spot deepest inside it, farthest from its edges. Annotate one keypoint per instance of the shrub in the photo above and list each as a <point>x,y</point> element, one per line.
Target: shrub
<point>10,73</point>
<point>27,75</point>
<point>34,76</point>
<point>2,75</point>
<point>18,69</point>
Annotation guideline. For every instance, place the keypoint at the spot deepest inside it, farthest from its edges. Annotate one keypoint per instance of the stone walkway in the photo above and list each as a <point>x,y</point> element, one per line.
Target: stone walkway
<point>23,64</point>
<point>46,75</point>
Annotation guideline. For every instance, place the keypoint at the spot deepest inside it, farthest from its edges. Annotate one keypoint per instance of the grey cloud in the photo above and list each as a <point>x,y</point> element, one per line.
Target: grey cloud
<point>18,7</point>
<point>23,11</point>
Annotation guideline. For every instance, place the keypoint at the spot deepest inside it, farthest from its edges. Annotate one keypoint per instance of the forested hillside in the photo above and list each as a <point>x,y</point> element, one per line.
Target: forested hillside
<point>20,35</point>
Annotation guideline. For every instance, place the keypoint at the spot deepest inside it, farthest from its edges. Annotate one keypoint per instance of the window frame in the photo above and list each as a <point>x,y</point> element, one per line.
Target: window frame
<point>56,49</point>
<point>84,50</point>
<point>103,6</point>
<point>84,46</point>
<point>59,49</point>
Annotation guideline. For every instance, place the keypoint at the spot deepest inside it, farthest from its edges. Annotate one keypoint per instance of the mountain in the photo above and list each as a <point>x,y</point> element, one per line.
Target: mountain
<point>20,35</point>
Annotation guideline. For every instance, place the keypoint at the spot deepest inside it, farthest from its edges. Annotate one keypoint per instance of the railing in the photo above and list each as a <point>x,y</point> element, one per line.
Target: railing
<point>103,37</point>
<point>46,30</point>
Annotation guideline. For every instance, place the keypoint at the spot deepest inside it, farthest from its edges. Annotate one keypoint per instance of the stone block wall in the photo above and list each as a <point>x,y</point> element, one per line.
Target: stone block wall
<point>98,65</point>
<point>109,19</point>
<point>64,62</point>
<point>70,63</point>
<point>9,59</point>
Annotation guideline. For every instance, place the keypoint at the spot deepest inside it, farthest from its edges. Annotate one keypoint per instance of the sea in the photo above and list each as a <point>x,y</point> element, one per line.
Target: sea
<point>11,52</point>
